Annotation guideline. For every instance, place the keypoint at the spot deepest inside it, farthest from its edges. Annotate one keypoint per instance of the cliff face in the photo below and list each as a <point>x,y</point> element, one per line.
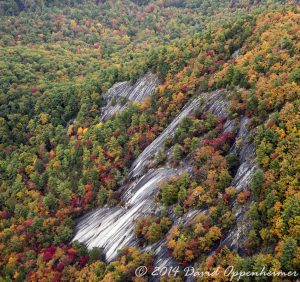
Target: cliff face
<point>245,149</point>
<point>121,94</point>
<point>112,228</point>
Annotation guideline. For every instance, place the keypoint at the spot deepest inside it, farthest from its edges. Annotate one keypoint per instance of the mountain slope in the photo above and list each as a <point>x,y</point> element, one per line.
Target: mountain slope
<point>59,160</point>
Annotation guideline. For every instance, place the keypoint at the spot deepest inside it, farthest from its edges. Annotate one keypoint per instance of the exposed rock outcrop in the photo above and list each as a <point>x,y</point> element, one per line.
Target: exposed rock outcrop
<point>121,94</point>
<point>112,228</point>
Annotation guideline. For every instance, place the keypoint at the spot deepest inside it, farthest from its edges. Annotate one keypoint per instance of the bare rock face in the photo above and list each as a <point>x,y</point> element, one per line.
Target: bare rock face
<point>121,94</point>
<point>211,101</point>
<point>245,149</point>
<point>112,228</point>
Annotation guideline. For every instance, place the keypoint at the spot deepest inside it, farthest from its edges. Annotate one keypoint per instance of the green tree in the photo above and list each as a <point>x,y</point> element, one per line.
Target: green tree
<point>169,194</point>
<point>178,152</point>
<point>288,253</point>
<point>154,233</point>
<point>96,254</point>
<point>257,182</point>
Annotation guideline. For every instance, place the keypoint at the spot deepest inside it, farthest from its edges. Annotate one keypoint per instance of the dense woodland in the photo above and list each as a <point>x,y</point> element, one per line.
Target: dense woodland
<point>58,160</point>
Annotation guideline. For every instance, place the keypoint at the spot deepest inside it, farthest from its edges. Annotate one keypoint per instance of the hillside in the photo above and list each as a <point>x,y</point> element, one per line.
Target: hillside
<point>167,129</point>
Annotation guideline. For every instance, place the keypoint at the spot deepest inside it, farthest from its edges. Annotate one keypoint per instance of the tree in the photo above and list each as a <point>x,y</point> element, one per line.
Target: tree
<point>182,194</point>
<point>257,182</point>
<point>178,210</point>
<point>161,156</point>
<point>154,233</point>
<point>64,235</point>
<point>50,202</point>
<point>96,254</point>
<point>288,253</point>
<point>178,152</point>
<point>169,194</point>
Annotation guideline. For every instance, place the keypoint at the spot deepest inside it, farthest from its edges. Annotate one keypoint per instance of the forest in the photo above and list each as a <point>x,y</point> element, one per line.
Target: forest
<point>59,160</point>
